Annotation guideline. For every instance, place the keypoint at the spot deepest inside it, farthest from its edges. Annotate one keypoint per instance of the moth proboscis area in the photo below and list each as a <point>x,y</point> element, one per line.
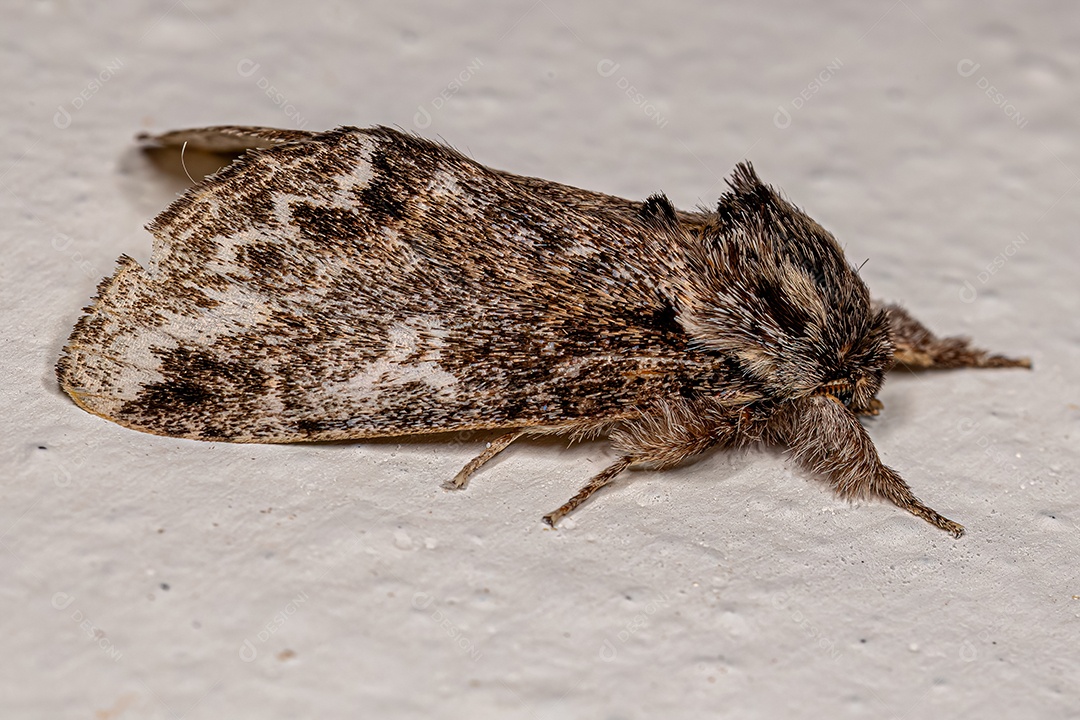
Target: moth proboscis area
<point>363,283</point>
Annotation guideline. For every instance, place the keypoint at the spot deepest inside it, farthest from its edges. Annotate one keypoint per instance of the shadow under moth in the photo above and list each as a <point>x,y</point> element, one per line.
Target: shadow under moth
<point>363,283</point>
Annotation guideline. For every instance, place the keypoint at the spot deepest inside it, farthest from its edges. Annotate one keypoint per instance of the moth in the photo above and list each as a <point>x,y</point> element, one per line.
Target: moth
<point>362,283</point>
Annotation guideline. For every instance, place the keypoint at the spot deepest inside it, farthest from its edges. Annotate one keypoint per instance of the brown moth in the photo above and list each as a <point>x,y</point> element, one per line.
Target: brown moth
<point>363,283</point>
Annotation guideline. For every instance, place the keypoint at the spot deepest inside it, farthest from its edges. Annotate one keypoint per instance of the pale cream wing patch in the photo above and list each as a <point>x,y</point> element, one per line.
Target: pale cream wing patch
<point>366,283</point>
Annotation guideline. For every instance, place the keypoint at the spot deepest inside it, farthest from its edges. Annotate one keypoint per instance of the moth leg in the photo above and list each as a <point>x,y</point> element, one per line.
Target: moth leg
<point>666,435</point>
<point>827,439</point>
<point>597,482</point>
<point>918,348</point>
<point>225,138</point>
<point>494,448</point>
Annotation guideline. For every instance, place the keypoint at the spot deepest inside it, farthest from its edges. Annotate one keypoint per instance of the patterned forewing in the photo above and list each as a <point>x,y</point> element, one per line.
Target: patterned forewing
<point>372,283</point>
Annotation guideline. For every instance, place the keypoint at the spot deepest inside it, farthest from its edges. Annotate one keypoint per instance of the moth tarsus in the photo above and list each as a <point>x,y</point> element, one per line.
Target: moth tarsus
<point>494,448</point>
<point>364,283</point>
<point>598,481</point>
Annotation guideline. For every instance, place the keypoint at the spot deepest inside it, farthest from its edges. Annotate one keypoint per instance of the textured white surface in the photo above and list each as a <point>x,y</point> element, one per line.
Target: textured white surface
<point>150,577</point>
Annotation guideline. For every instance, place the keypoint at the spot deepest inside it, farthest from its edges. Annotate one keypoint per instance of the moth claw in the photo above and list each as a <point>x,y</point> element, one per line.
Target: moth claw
<point>458,482</point>
<point>936,519</point>
<point>953,528</point>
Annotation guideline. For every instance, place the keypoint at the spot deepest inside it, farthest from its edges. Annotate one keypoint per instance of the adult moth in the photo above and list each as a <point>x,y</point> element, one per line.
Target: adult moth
<point>363,283</point>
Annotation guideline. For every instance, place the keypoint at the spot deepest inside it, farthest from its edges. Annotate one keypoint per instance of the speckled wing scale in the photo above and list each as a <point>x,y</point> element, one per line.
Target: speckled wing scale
<point>364,282</point>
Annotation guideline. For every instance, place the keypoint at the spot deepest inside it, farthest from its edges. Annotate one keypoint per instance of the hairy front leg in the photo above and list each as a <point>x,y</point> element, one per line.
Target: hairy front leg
<point>827,439</point>
<point>666,435</point>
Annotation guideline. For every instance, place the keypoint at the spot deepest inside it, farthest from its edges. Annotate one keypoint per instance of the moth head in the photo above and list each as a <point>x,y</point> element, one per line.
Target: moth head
<point>770,291</point>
